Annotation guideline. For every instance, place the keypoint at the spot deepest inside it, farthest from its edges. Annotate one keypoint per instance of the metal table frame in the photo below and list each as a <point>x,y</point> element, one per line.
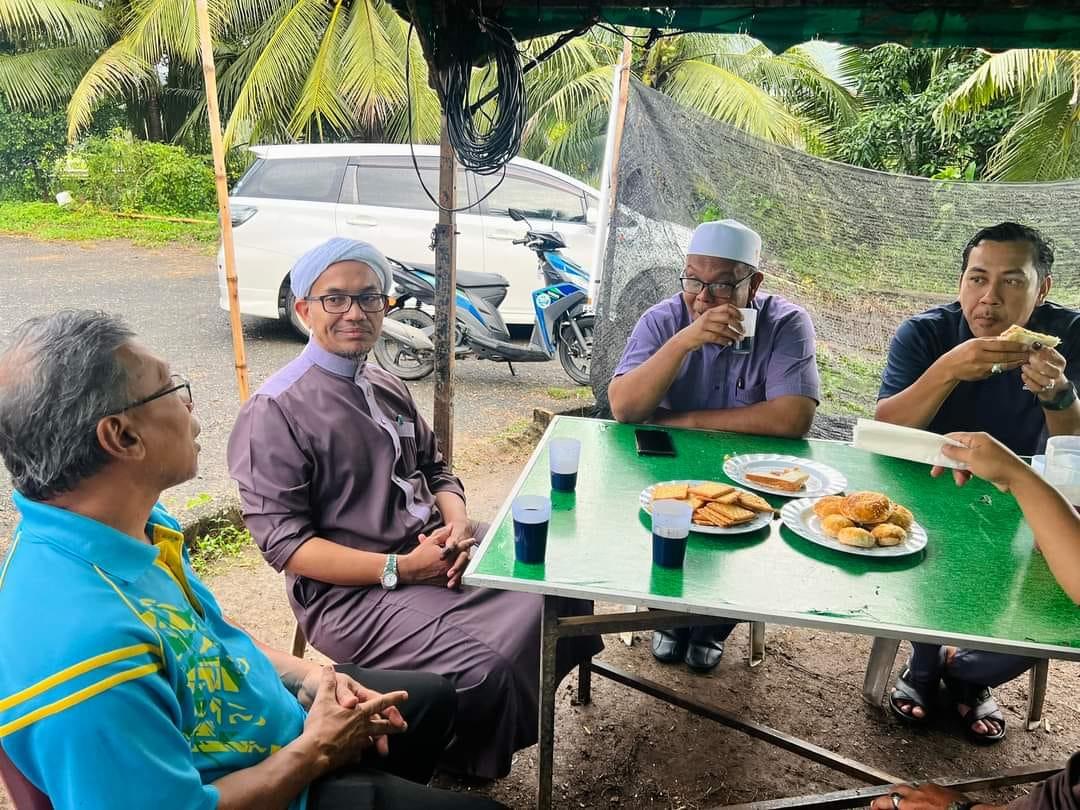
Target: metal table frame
<point>880,782</point>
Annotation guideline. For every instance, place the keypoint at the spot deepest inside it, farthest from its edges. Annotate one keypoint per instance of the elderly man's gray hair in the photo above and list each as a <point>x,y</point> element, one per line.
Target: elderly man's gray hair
<point>59,375</point>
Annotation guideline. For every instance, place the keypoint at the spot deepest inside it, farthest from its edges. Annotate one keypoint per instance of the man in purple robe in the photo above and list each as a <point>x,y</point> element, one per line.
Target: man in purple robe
<point>343,487</point>
<point>679,368</point>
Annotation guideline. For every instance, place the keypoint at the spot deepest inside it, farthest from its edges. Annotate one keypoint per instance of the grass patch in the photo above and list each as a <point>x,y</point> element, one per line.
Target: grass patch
<point>86,223</point>
<point>580,394</point>
<point>849,384</point>
<point>223,541</point>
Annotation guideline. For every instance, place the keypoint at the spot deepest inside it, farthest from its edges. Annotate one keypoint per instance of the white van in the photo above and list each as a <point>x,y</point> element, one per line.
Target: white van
<point>295,196</point>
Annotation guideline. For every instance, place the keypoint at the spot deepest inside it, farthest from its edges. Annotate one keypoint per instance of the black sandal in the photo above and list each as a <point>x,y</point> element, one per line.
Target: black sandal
<point>981,706</point>
<point>915,693</point>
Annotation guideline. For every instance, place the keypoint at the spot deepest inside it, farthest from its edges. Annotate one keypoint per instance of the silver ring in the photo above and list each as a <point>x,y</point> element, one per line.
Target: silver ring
<point>895,800</point>
<point>995,369</point>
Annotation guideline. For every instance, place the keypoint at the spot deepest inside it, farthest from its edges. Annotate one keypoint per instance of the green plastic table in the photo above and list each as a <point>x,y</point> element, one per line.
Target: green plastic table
<point>600,547</point>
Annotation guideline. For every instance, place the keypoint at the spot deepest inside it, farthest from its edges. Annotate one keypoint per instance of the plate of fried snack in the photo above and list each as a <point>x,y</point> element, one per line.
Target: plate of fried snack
<point>789,476</point>
<point>718,508</point>
<point>865,523</point>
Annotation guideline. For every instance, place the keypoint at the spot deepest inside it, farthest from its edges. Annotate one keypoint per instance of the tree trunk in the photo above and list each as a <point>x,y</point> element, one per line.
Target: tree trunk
<point>153,117</point>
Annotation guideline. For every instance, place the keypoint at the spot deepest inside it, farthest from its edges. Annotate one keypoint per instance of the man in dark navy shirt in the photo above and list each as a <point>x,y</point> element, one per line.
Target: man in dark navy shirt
<point>948,371</point>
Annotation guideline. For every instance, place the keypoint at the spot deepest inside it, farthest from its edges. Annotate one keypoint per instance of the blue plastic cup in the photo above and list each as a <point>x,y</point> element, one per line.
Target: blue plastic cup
<point>670,527</point>
<point>531,515</point>
<point>563,455</point>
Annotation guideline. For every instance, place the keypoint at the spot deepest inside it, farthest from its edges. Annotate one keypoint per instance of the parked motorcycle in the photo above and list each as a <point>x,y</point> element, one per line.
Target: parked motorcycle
<point>562,325</point>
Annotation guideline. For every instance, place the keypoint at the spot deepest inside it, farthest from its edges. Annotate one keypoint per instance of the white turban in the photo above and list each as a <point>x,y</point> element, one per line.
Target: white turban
<point>311,265</point>
<point>727,239</point>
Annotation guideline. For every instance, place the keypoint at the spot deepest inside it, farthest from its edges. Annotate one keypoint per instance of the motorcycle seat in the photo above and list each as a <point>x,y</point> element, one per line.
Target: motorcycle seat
<point>466,278</point>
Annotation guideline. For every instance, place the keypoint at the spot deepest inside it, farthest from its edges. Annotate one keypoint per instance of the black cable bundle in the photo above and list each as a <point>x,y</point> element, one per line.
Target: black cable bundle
<point>485,143</point>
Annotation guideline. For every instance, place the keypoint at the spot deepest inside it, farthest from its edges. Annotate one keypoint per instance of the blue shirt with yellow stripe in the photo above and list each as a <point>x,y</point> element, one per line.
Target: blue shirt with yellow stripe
<point>121,684</point>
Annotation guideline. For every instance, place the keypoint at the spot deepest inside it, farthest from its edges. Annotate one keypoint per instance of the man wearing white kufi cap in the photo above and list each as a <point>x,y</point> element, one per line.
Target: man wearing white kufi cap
<point>681,367</point>
<point>344,489</point>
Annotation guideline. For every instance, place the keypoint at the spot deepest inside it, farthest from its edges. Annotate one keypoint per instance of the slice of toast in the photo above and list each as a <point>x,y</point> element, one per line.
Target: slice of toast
<point>791,479</point>
<point>1018,334</point>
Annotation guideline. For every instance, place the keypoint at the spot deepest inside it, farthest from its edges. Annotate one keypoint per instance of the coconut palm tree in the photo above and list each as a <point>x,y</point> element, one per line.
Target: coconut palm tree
<point>1044,143</point>
<point>289,69</point>
<point>46,46</point>
<point>795,98</point>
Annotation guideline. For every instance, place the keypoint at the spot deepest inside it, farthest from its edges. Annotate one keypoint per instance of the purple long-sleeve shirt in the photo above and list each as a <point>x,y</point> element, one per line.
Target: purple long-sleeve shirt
<point>713,377</point>
<point>333,448</point>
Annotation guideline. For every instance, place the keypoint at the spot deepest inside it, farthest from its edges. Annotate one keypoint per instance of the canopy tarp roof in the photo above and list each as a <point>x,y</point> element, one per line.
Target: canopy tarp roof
<point>448,25</point>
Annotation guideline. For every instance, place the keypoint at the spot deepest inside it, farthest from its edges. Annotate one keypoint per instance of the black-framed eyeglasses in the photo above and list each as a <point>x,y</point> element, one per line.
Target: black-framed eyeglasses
<point>340,303</point>
<point>176,383</point>
<point>717,289</point>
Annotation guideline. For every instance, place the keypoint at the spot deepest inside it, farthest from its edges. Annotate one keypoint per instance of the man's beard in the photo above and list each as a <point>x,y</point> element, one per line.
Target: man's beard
<point>356,357</point>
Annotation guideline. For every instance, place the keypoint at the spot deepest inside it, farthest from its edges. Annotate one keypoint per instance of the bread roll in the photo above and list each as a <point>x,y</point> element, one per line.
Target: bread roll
<point>832,524</point>
<point>866,507</point>
<point>901,516</point>
<point>856,536</point>
<point>889,534</point>
<point>829,505</point>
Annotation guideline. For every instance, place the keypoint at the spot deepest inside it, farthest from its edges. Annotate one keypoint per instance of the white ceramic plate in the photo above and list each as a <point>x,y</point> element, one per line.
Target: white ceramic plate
<point>823,480</point>
<point>759,522</point>
<point>800,518</point>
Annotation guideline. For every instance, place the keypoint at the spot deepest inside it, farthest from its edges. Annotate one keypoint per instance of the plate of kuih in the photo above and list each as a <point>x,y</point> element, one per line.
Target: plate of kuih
<point>869,524</point>
<point>718,508</point>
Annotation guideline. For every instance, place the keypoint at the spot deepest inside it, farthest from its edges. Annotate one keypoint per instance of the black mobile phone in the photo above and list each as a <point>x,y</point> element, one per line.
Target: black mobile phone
<point>653,442</point>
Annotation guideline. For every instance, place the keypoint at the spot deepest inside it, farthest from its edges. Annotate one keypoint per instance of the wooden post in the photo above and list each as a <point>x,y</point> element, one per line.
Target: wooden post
<point>445,306</point>
<point>620,92</point>
<point>206,46</point>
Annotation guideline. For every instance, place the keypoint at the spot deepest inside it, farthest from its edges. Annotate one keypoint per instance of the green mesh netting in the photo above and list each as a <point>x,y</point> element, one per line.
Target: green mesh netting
<point>860,249</point>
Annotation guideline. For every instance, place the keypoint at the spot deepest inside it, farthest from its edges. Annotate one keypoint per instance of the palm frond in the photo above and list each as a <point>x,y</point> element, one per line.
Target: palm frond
<point>62,22</point>
<point>575,99</point>
<point>118,71</point>
<point>372,76</point>
<point>320,99</point>
<point>1040,145</point>
<point>1004,75</point>
<point>426,111</point>
<point>728,97</point>
<point>42,78</point>
<point>272,86</point>
<point>157,27</point>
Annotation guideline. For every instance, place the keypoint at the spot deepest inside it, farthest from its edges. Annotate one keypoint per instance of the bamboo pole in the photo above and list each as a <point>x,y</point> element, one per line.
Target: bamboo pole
<point>620,91</point>
<point>445,305</point>
<point>155,218</point>
<point>206,45</point>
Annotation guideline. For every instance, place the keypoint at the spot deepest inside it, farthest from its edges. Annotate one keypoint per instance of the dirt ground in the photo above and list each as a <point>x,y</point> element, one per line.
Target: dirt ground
<point>629,750</point>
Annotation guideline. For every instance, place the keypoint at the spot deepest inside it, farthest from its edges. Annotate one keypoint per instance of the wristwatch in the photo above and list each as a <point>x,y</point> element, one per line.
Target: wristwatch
<point>1064,398</point>
<point>389,578</point>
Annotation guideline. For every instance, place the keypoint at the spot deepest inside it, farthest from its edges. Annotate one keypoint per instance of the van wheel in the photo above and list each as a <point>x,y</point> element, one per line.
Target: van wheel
<point>295,321</point>
<point>397,358</point>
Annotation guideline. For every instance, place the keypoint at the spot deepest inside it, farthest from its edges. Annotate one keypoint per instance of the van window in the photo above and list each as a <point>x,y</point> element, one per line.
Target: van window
<point>393,184</point>
<point>312,179</point>
<point>537,198</point>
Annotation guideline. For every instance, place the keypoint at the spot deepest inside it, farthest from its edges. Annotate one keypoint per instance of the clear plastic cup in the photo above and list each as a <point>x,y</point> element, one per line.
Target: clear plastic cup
<point>670,527</point>
<point>531,515</point>
<point>564,455</point>
<point>1063,466</point>
<point>749,325</point>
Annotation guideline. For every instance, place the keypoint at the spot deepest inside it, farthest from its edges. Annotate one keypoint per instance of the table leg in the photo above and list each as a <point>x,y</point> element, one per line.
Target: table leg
<point>1037,692</point>
<point>584,682</point>
<point>757,643</point>
<point>548,641</point>
<point>878,669</point>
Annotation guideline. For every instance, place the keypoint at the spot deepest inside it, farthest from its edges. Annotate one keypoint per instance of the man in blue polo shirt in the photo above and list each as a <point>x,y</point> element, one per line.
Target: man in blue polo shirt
<point>948,370</point>
<point>121,682</point>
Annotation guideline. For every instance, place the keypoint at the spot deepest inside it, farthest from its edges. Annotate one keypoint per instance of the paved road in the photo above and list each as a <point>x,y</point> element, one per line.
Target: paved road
<point>170,297</point>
